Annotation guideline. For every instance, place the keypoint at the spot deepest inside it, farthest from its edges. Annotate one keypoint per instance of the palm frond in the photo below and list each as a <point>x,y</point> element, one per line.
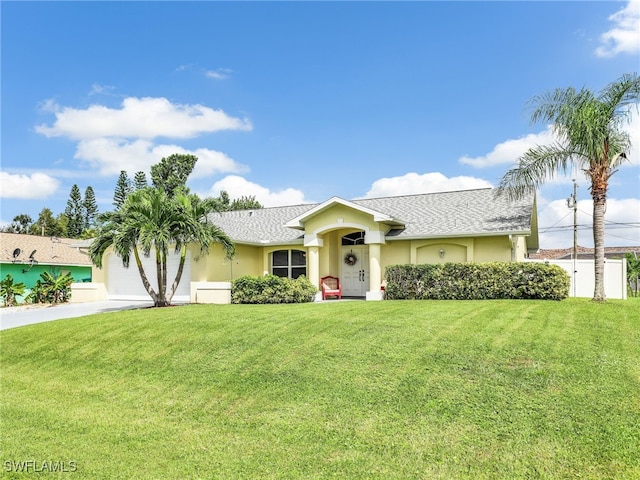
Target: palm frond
<point>535,167</point>
<point>618,95</point>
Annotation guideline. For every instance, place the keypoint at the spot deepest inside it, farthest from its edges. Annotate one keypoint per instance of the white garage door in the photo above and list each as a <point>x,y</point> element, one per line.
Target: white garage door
<point>126,284</point>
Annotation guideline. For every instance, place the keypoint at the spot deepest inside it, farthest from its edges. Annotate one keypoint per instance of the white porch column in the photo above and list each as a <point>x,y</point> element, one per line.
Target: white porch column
<point>313,243</point>
<point>313,261</point>
<point>375,273</point>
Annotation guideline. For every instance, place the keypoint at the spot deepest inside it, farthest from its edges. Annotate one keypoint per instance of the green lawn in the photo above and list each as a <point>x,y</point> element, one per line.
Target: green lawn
<point>349,390</point>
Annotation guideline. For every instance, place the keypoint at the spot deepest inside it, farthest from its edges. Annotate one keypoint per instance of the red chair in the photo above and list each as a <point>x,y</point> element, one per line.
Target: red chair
<point>330,287</point>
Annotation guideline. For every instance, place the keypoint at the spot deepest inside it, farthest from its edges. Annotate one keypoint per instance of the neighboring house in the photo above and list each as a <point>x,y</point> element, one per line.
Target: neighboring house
<point>353,240</point>
<point>584,253</point>
<point>25,257</point>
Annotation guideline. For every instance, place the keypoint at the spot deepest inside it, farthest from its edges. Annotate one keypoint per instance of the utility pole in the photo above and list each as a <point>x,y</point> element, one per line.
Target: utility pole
<point>575,219</point>
<point>572,202</point>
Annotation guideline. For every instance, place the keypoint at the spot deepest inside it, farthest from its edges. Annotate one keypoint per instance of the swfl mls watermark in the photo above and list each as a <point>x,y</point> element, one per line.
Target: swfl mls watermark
<point>40,466</point>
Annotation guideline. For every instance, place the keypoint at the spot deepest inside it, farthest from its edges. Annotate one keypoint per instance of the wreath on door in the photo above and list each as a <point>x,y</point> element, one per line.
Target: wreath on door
<point>350,259</point>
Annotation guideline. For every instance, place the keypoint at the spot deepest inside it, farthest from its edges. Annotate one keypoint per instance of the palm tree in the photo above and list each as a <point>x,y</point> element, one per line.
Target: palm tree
<point>588,135</point>
<point>150,220</point>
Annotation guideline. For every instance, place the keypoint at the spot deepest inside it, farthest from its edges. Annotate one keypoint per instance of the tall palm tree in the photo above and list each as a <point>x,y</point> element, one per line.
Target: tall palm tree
<point>588,134</point>
<point>150,220</point>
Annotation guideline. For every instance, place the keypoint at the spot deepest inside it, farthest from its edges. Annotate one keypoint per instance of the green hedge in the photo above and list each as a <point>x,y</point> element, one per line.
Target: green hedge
<point>272,289</point>
<point>477,281</point>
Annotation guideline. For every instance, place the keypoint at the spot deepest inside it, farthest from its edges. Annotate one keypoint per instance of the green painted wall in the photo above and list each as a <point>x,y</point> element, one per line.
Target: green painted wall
<point>29,278</point>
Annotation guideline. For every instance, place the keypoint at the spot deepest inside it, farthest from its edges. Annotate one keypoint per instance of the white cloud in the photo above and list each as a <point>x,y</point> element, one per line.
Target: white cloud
<point>97,89</point>
<point>145,118</point>
<point>219,74</point>
<point>238,186</point>
<point>36,185</point>
<point>210,162</point>
<point>624,37</point>
<point>622,223</point>
<point>111,140</point>
<point>509,151</point>
<point>111,155</point>
<point>49,106</point>
<point>412,183</point>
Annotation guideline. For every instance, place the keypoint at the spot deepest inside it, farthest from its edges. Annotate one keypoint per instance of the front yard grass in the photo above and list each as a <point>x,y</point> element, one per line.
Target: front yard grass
<point>345,390</point>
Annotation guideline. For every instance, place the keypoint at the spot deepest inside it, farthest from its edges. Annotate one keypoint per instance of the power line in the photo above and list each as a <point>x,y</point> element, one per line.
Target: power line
<point>589,226</point>
<point>629,224</point>
<point>558,221</point>
<point>614,225</point>
<point>607,234</point>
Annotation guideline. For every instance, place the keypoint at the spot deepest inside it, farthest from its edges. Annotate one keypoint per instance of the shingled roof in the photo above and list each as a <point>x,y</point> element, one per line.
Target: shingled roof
<point>433,215</point>
<point>48,250</point>
<point>584,253</point>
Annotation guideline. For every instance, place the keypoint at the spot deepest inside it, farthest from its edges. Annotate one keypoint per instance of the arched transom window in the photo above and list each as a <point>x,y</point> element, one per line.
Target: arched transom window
<point>355,238</point>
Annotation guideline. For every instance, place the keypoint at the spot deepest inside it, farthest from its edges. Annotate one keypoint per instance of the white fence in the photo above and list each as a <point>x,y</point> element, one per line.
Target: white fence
<point>582,277</point>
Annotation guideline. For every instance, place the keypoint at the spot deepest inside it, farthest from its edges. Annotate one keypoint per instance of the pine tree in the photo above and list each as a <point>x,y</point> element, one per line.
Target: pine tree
<point>123,188</point>
<point>75,213</point>
<point>223,202</point>
<point>172,172</point>
<point>140,180</point>
<point>90,208</point>
<point>48,225</point>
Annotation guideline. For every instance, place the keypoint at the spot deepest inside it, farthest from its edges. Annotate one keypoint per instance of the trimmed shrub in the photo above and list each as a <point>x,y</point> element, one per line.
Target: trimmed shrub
<point>477,281</point>
<point>272,289</point>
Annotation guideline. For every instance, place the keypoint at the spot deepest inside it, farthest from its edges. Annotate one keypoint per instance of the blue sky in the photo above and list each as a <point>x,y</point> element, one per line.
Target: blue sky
<point>295,102</point>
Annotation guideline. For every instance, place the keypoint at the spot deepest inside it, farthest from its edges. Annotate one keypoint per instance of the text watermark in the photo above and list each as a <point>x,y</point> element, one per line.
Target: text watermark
<point>40,466</point>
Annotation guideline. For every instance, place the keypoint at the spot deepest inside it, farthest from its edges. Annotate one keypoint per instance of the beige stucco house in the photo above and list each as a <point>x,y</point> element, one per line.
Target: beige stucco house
<point>351,239</point>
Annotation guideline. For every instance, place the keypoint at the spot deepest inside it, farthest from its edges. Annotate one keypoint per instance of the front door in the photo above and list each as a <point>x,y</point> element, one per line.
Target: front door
<point>355,271</point>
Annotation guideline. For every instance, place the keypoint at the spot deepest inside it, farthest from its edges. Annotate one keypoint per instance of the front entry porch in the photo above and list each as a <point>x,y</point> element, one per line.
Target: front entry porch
<point>346,253</point>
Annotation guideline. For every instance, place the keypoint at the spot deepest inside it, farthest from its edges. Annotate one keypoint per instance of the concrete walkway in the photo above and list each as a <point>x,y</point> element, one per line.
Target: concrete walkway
<point>30,314</point>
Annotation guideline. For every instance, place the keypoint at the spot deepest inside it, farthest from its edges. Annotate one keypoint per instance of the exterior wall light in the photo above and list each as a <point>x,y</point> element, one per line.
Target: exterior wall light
<point>442,253</point>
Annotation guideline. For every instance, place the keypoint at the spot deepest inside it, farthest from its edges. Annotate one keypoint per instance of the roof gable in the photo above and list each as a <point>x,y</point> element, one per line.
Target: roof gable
<point>299,221</point>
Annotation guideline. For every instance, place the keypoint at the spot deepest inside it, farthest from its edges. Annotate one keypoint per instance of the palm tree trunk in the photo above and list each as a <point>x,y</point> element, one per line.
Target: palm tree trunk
<point>599,206</point>
<point>176,281</point>
<point>161,300</point>
<point>164,277</point>
<point>143,276</point>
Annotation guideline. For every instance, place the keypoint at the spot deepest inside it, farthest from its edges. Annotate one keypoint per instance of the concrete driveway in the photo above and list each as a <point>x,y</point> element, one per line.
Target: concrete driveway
<point>27,315</point>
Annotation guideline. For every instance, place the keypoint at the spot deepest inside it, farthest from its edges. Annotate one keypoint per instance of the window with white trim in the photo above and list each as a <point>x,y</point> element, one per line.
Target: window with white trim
<point>289,263</point>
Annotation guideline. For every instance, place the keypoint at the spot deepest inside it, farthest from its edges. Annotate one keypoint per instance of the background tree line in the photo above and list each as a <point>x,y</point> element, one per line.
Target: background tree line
<point>77,221</point>
<point>80,216</point>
